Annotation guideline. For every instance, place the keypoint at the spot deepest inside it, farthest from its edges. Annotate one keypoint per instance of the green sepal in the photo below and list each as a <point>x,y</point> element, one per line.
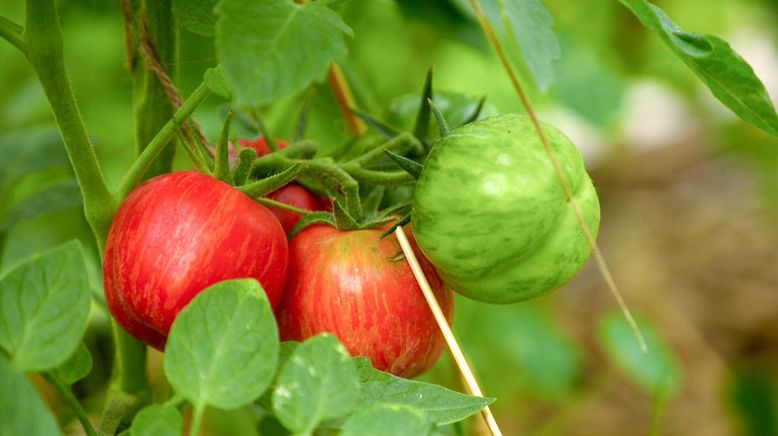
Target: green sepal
<point>246,159</point>
<point>405,220</point>
<point>410,166</point>
<point>222,169</point>
<point>476,113</point>
<point>265,186</point>
<point>311,219</point>
<point>343,219</point>
<point>440,119</point>
<point>421,129</point>
<point>379,126</point>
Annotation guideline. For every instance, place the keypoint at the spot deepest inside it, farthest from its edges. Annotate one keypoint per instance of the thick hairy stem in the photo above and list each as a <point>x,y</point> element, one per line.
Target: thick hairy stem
<point>400,144</point>
<point>153,105</point>
<point>42,42</point>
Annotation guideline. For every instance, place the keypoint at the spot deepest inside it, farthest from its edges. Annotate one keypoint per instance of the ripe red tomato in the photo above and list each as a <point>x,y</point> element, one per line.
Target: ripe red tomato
<point>358,287</point>
<point>293,195</point>
<point>177,234</point>
<point>260,145</point>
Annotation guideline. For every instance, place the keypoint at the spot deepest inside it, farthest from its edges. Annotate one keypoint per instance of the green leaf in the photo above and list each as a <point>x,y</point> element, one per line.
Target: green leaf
<point>58,197</point>
<point>22,411</point>
<point>726,74</point>
<point>157,420</point>
<point>274,48</point>
<point>526,29</point>
<point>387,420</point>
<point>196,15</point>
<point>318,382</point>
<point>215,81</point>
<point>44,305</point>
<point>223,347</point>
<point>75,368</point>
<point>656,372</point>
<point>441,405</point>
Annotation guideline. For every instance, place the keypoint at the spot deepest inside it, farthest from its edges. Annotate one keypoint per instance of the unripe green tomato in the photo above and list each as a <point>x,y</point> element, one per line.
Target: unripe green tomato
<point>490,213</point>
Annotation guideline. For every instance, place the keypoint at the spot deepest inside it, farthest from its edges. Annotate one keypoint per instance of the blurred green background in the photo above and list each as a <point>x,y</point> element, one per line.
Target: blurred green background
<point>689,200</point>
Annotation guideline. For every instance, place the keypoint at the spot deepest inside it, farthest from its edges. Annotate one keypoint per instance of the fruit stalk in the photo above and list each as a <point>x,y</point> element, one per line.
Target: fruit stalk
<point>448,335</point>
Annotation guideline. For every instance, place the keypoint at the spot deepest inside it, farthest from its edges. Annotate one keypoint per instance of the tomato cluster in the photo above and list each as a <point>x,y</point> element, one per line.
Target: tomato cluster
<point>488,211</point>
<point>179,233</point>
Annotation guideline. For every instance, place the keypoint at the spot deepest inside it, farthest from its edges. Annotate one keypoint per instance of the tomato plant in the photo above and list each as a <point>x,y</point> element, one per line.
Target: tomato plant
<point>507,195</point>
<point>177,234</point>
<point>358,286</point>
<point>107,246</point>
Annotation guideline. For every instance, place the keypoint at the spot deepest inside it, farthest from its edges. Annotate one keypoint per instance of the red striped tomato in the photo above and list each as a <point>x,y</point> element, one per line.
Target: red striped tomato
<point>360,288</point>
<point>177,234</point>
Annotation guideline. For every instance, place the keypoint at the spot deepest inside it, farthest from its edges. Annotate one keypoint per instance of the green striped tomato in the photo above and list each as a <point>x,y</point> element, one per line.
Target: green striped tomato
<point>490,213</point>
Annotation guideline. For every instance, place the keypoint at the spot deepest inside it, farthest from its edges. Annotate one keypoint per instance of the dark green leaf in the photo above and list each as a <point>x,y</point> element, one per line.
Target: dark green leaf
<point>157,420</point>
<point>275,48</point>
<point>196,15</point>
<point>441,405</point>
<point>75,368</point>
<point>22,411</point>
<point>726,74</point>
<point>656,371</point>
<point>215,81</point>
<point>318,382</point>
<point>44,305</point>
<point>61,196</point>
<point>223,347</point>
<point>387,420</point>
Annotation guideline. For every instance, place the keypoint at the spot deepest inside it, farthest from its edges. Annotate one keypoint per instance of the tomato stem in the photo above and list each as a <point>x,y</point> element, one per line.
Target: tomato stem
<point>12,33</point>
<point>67,395</point>
<point>43,47</point>
<point>152,150</point>
<point>402,143</point>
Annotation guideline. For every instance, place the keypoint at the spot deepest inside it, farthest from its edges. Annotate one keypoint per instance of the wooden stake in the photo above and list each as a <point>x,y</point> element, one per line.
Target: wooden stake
<point>467,374</point>
<point>345,99</point>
